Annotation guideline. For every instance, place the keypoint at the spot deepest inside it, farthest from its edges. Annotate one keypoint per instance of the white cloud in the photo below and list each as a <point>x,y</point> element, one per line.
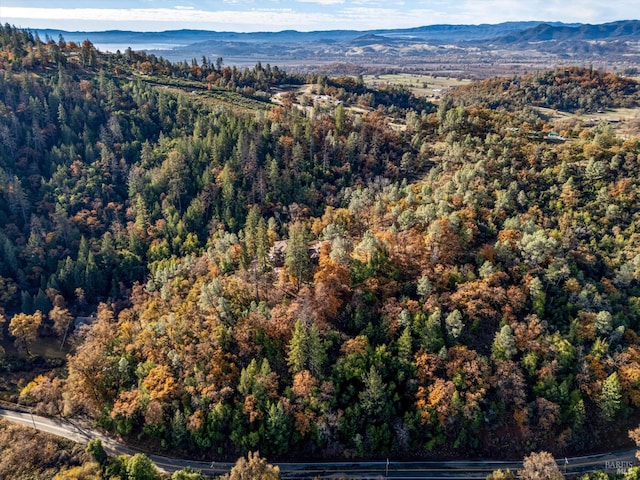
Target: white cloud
<point>304,15</point>
<point>322,2</point>
<point>167,18</point>
<point>496,11</point>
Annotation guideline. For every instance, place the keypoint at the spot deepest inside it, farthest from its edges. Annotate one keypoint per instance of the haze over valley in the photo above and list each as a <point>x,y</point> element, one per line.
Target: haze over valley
<point>470,51</point>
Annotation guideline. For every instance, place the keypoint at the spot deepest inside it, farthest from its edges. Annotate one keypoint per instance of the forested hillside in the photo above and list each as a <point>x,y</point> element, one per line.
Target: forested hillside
<point>571,89</point>
<point>320,281</point>
<point>103,172</point>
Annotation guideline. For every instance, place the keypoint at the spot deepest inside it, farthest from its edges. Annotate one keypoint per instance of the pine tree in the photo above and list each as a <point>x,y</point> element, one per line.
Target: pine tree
<point>373,398</point>
<point>405,345</point>
<point>504,344</point>
<point>610,397</point>
<point>297,356</point>
<point>316,351</point>
<point>297,258</point>
<point>454,324</point>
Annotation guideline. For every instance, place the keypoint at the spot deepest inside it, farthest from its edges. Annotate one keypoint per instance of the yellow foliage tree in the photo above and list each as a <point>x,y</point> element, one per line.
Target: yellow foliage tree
<point>24,328</point>
<point>253,468</point>
<point>61,319</point>
<point>160,383</point>
<point>88,471</point>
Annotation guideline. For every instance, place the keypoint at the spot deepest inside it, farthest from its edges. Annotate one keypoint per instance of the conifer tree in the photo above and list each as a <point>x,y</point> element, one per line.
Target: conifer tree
<point>297,356</point>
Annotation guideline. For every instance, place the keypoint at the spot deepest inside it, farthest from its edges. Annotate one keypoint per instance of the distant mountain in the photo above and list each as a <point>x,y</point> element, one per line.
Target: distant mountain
<point>373,39</point>
<point>457,33</point>
<point>189,37</point>
<point>533,42</point>
<point>573,40</point>
<point>430,33</point>
<point>545,32</point>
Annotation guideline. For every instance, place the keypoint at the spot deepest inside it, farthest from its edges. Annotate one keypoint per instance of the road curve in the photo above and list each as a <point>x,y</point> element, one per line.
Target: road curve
<point>451,470</point>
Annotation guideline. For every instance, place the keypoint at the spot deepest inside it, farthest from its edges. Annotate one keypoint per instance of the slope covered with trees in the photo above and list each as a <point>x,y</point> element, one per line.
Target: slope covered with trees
<point>571,89</point>
<point>103,172</point>
<point>451,285</point>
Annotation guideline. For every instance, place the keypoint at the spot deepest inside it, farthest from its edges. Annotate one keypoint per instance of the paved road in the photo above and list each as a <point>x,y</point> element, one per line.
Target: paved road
<point>452,470</point>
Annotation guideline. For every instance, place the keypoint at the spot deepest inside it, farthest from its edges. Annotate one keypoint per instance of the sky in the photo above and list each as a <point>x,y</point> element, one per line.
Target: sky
<point>302,15</point>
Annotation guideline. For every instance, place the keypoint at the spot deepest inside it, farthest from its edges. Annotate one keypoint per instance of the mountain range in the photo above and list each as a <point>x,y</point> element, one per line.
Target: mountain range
<point>546,41</point>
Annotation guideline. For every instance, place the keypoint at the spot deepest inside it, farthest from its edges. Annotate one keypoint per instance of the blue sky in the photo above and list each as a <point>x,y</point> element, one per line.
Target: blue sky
<point>303,15</point>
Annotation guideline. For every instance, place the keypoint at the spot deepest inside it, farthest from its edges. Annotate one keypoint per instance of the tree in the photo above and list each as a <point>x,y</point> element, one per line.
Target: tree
<point>187,474</point>
<point>46,394</point>
<point>61,318</point>
<point>178,429</point>
<point>253,468</point>
<point>610,399</point>
<point>87,471</point>
<point>424,286</point>
<point>373,397</point>
<point>429,330</point>
<point>91,379</point>
<point>540,466</point>
<point>504,344</point>
<point>501,475</point>
<point>340,118</point>
<point>25,329</point>
<point>97,451</point>
<point>632,473</point>
<point>256,244</point>
<point>296,257</point>
<point>278,429</point>
<point>331,282</point>
<point>454,324</point>
<point>140,467</point>
<point>8,290</point>
<point>297,356</point>
<point>405,345</point>
<point>316,351</point>
<point>599,475</point>
<point>603,323</point>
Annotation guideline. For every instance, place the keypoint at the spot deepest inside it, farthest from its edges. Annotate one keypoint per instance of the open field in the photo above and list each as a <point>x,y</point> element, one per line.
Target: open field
<point>624,121</point>
<point>421,85</point>
<point>204,96</point>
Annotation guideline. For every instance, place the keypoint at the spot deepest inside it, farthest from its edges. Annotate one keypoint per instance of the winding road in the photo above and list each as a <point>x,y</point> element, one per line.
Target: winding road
<point>452,470</point>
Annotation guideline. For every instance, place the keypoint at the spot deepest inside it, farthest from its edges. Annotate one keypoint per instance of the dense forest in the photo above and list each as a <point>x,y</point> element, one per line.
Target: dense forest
<point>377,276</point>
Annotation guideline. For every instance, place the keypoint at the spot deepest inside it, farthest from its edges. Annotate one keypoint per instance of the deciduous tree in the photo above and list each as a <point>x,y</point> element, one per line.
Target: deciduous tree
<point>253,467</point>
<point>24,328</point>
<point>140,467</point>
<point>540,466</point>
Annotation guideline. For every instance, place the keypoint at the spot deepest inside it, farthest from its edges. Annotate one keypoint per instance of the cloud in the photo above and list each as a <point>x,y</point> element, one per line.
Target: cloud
<point>247,20</point>
<point>304,15</point>
<point>496,11</point>
<point>322,2</point>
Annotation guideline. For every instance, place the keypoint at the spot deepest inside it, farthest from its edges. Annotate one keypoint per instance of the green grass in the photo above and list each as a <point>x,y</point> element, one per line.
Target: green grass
<point>200,94</point>
<point>421,85</point>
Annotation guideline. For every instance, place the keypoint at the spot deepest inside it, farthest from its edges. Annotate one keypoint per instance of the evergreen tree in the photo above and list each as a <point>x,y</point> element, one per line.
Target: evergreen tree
<point>298,348</point>
<point>316,351</point>
<point>610,400</point>
<point>297,258</point>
